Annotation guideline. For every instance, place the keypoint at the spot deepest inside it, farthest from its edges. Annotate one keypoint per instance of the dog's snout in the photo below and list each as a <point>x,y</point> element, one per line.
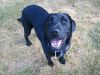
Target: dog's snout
<point>55,33</point>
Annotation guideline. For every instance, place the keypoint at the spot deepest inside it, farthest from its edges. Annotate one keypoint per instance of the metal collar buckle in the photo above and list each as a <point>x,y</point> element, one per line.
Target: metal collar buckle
<point>61,54</point>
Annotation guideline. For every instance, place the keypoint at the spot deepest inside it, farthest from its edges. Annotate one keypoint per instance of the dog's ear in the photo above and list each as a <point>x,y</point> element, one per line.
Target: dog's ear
<point>73,26</point>
<point>72,22</point>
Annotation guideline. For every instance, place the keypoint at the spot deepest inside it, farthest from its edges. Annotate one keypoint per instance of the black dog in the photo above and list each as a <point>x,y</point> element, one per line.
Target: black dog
<point>53,30</point>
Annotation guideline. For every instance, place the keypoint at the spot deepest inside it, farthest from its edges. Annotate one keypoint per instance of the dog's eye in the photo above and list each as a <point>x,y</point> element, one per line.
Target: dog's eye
<point>64,22</point>
<point>50,20</point>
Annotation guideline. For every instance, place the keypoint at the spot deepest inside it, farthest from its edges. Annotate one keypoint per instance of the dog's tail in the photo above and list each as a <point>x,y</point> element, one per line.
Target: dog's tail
<point>19,19</point>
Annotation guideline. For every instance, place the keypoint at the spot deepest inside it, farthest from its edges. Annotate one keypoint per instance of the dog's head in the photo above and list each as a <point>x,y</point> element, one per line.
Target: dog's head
<point>59,28</point>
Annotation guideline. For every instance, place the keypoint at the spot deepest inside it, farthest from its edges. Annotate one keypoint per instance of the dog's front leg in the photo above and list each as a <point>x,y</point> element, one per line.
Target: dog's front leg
<point>46,52</point>
<point>62,60</point>
<point>50,63</point>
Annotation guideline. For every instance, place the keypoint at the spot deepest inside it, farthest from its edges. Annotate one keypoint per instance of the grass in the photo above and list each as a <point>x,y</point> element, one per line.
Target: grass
<point>3,69</point>
<point>83,58</point>
<point>94,34</point>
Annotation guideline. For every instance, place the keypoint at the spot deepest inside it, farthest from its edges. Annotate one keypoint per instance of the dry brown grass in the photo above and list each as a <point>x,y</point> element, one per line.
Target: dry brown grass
<point>83,58</point>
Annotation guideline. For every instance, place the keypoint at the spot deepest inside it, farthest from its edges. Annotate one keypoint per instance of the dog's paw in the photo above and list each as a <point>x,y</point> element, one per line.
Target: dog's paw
<point>28,43</point>
<point>62,60</point>
<point>50,64</point>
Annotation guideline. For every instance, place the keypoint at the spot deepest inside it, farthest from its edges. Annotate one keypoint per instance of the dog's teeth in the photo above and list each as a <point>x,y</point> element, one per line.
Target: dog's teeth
<point>56,43</point>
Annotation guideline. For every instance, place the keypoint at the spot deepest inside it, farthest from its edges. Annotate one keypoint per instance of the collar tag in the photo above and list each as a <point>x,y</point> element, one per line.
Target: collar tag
<point>61,54</point>
<point>55,54</point>
<point>67,47</point>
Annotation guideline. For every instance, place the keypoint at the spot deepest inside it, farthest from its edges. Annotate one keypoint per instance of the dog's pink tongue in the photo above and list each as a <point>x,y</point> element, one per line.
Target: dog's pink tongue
<point>56,43</point>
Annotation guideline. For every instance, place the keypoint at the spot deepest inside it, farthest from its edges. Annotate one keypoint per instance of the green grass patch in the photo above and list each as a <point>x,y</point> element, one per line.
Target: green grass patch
<point>3,69</point>
<point>27,71</point>
<point>94,34</point>
<point>7,12</point>
<point>96,3</point>
<point>9,15</point>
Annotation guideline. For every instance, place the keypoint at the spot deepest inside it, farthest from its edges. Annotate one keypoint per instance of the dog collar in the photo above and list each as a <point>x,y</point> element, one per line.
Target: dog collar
<point>61,52</point>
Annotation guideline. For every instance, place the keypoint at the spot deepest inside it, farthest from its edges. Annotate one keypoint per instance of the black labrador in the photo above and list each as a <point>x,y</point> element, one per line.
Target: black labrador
<point>54,30</point>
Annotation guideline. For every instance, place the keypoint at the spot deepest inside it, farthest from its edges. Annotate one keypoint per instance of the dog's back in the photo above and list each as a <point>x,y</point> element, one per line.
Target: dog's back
<point>34,16</point>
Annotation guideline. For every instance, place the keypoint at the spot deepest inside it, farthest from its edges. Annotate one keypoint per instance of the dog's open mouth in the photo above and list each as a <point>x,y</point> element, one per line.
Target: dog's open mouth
<point>56,43</point>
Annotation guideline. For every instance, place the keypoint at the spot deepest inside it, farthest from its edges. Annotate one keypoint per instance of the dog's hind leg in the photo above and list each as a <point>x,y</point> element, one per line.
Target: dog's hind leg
<point>26,35</point>
<point>27,30</point>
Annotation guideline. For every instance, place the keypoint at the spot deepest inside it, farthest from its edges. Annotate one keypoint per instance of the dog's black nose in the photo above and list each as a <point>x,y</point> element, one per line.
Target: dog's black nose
<point>54,33</point>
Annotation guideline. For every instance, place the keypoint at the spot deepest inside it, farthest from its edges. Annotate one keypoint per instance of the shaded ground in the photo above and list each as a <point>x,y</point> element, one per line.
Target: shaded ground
<point>83,58</point>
